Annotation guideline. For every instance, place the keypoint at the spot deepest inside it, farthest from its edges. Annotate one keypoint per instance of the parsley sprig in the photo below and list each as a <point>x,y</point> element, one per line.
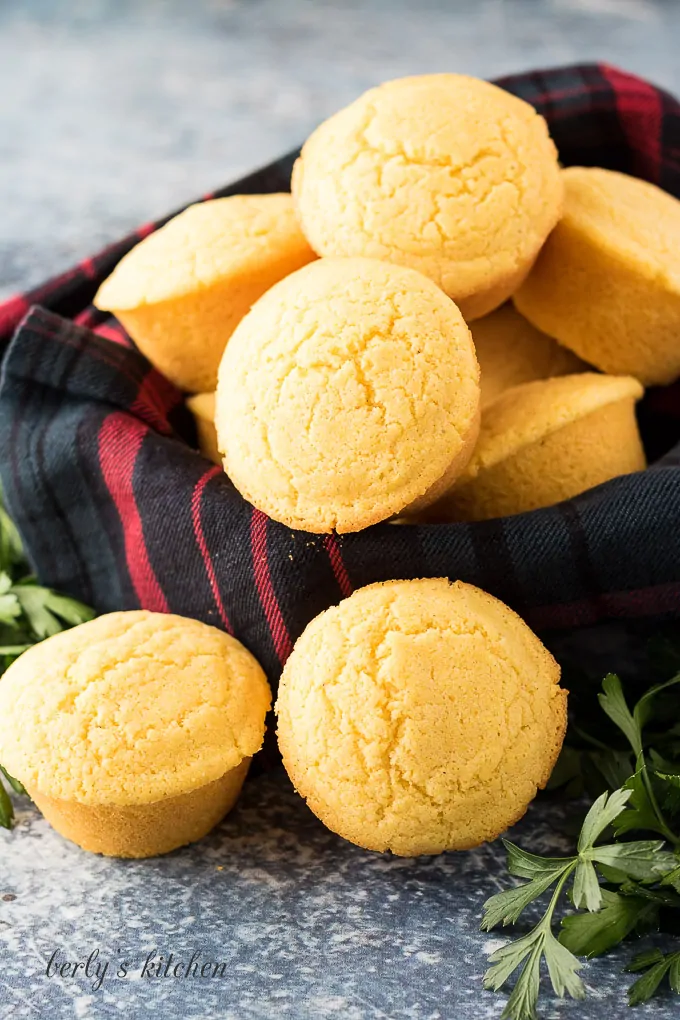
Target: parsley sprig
<point>656,967</point>
<point>28,613</point>
<point>617,887</point>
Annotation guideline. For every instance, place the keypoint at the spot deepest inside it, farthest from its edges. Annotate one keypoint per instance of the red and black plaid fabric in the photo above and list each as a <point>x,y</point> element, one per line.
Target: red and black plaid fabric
<point>116,508</point>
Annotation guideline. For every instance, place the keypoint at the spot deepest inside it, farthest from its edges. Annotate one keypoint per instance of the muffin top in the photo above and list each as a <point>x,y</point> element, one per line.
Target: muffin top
<point>629,218</point>
<point>511,351</point>
<point>208,242</point>
<point>417,716</point>
<point>345,394</point>
<point>447,174</point>
<point>130,708</point>
<point>528,413</point>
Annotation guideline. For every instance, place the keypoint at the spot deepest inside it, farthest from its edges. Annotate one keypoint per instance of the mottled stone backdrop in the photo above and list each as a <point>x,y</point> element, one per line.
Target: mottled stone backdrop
<point>112,113</point>
<point>115,111</point>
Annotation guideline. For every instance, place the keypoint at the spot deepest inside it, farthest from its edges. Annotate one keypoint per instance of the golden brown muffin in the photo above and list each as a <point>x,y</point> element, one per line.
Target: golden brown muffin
<point>546,441</point>
<point>349,392</point>
<point>419,716</point>
<point>607,282</point>
<point>133,733</point>
<point>443,173</point>
<point>182,290</point>
<point>202,406</point>
<point>511,351</point>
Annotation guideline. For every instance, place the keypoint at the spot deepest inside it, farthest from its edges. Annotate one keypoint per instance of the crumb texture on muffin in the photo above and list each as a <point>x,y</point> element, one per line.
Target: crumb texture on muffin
<point>131,708</point>
<point>203,244</point>
<point>546,441</point>
<point>144,830</point>
<point>420,716</point>
<point>447,174</point>
<point>202,406</point>
<point>528,413</point>
<point>182,290</point>
<point>349,391</point>
<point>511,351</point>
<point>607,282</point>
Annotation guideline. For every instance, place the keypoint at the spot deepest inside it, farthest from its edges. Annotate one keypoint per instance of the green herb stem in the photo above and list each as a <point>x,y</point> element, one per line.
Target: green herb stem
<point>664,828</point>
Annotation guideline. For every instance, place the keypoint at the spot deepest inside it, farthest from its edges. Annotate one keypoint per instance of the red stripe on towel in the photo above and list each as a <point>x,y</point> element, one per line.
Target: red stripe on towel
<point>203,545</point>
<point>263,580</point>
<point>638,105</point>
<point>335,556</point>
<point>120,439</point>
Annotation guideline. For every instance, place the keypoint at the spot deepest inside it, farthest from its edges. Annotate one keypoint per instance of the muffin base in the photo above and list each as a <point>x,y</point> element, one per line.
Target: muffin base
<point>606,310</point>
<point>144,830</point>
<point>483,302</point>
<point>448,479</point>
<point>184,338</point>
<point>579,456</point>
<point>207,440</point>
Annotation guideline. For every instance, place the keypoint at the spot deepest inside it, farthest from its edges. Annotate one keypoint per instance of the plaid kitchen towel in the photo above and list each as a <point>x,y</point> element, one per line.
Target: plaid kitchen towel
<point>116,508</point>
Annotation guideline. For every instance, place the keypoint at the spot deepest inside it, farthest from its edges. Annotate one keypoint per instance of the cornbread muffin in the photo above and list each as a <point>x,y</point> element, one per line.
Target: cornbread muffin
<point>511,351</point>
<point>202,406</point>
<point>133,733</point>
<point>349,392</point>
<point>419,716</point>
<point>546,441</point>
<point>607,283</point>
<point>181,291</point>
<point>443,173</point>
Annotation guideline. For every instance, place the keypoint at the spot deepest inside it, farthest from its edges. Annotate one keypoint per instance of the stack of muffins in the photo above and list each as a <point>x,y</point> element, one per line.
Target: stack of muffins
<point>332,342</point>
<point>333,338</point>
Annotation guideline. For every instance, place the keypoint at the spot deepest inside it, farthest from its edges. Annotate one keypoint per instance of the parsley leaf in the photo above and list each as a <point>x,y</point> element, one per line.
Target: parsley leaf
<point>603,812</point>
<point>643,860</point>
<point>526,953</point>
<point>613,704</point>
<point>14,783</point>
<point>506,907</point>
<point>28,613</point>
<point>656,967</point>
<point>593,934</point>
<point>526,865</point>
<point>645,873</point>
<point>586,891</point>
<point>6,809</point>
<point>668,775</point>
<point>46,610</point>
<point>11,549</point>
<point>10,608</point>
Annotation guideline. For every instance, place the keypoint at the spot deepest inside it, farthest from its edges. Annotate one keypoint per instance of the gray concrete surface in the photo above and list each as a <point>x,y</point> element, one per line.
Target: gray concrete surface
<point>308,926</point>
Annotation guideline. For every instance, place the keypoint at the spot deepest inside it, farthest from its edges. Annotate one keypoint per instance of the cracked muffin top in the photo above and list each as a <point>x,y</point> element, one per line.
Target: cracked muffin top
<point>207,243</point>
<point>349,392</point>
<point>131,708</point>
<point>419,716</point>
<point>447,174</point>
<point>182,290</point>
<point>531,411</point>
